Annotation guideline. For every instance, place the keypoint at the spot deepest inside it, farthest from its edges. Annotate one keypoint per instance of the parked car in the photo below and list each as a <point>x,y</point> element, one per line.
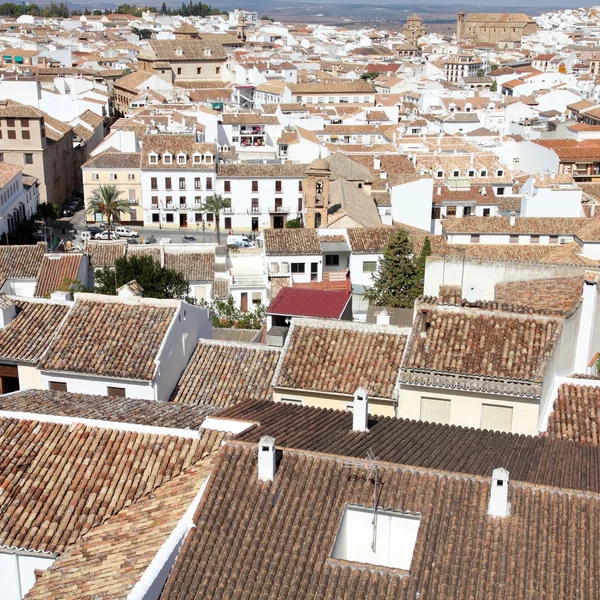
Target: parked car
<point>188,239</point>
<point>122,231</point>
<point>94,230</point>
<point>133,240</point>
<point>165,241</point>
<point>150,240</point>
<point>240,241</point>
<point>106,235</point>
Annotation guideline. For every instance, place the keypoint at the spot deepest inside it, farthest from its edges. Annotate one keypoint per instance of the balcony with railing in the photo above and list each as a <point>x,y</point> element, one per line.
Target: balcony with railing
<point>279,209</point>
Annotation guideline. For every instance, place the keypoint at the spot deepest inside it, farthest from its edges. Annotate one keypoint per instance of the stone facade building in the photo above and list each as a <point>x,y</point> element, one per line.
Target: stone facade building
<point>494,28</point>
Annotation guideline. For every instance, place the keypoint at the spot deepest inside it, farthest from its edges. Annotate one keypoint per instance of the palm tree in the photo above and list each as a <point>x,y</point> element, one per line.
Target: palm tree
<point>215,204</point>
<point>106,200</point>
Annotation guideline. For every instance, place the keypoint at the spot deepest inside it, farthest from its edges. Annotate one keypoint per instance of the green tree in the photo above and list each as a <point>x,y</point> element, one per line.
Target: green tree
<point>105,200</point>
<point>396,284</point>
<point>421,264</point>
<point>369,76</point>
<point>226,314</point>
<point>215,204</point>
<point>157,281</point>
<point>480,72</point>
<point>294,223</point>
<point>494,86</point>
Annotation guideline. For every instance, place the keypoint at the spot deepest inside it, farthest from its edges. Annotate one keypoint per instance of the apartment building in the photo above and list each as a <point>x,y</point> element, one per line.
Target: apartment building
<point>262,195</point>
<point>42,146</point>
<point>178,174</point>
<point>183,59</point>
<point>18,198</point>
<point>121,169</point>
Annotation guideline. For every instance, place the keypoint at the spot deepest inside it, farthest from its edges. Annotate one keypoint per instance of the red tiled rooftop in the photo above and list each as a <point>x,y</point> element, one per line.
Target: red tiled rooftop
<point>325,304</point>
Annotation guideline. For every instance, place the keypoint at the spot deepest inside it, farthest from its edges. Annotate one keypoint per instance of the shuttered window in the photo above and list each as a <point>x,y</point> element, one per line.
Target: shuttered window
<point>115,392</point>
<point>435,410</point>
<point>496,418</point>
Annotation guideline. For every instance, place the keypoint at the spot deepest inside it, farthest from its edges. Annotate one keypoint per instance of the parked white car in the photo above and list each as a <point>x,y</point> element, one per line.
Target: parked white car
<point>105,235</point>
<point>126,232</point>
<point>240,241</point>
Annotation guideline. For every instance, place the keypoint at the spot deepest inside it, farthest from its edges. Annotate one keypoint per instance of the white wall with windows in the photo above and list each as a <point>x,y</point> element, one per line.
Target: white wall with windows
<point>260,202</point>
<point>173,197</point>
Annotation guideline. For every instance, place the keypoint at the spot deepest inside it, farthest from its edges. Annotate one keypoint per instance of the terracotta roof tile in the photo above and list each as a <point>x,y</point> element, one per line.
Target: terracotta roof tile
<point>576,414</point>
<point>59,481</point>
<point>56,270</point>
<point>28,335</point>
<point>105,253</point>
<point>539,460</point>
<point>21,262</point>
<point>111,559</point>
<point>195,266</point>
<point>558,293</point>
<point>338,357</point>
<point>474,349</point>
<point>292,242</point>
<point>105,408</point>
<point>274,539</point>
<point>221,374</point>
<point>103,335</point>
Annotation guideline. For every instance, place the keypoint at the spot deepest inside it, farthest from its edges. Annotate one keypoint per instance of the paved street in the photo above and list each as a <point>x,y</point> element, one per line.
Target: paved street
<point>76,224</point>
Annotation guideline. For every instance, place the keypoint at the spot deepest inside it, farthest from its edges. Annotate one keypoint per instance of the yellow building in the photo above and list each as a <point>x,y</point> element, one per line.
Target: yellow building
<point>122,170</point>
<point>183,59</point>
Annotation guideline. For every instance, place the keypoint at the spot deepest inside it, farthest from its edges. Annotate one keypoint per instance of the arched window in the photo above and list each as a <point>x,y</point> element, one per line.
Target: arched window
<point>317,219</point>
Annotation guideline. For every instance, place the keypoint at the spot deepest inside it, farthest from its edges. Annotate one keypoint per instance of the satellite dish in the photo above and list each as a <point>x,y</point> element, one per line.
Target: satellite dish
<point>472,293</point>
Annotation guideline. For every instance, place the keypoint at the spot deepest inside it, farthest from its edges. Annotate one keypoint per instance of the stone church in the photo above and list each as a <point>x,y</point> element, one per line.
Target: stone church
<point>504,29</point>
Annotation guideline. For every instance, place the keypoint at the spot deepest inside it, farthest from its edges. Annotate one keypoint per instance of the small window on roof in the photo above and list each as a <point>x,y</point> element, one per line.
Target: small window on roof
<point>167,159</point>
<point>483,173</point>
<point>439,174</point>
<point>197,158</point>
<point>181,159</point>
<point>152,158</point>
<point>386,539</point>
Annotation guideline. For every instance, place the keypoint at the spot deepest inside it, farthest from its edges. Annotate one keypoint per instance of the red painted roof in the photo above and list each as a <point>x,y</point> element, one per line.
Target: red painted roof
<point>300,302</point>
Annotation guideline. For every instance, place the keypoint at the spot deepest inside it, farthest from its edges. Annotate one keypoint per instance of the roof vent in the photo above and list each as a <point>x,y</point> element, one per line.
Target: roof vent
<point>499,506</point>
<point>266,458</point>
<point>61,295</point>
<point>383,317</point>
<point>513,218</point>
<point>360,410</point>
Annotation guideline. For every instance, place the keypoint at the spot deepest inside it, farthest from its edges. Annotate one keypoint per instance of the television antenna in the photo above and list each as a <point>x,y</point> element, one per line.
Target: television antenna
<point>369,464</point>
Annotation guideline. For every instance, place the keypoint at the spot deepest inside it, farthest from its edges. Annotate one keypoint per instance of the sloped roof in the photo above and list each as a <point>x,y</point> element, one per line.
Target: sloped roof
<point>111,559</point>
<point>338,357</point>
<point>56,270</point>
<point>106,408</point>
<point>106,336</point>
<point>301,302</point>
<point>576,414</point>
<point>346,199</point>
<point>53,493</point>
<point>29,334</point>
<point>460,551</point>
<point>220,374</point>
<point>291,242</point>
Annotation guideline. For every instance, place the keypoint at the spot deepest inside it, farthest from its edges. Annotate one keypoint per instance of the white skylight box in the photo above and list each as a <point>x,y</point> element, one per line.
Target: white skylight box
<point>389,541</point>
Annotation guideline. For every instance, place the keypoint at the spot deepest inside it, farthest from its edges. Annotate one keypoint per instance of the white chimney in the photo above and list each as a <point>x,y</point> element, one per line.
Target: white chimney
<point>60,295</point>
<point>8,311</point>
<point>376,163</point>
<point>266,458</point>
<point>360,410</point>
<point>513,218</point>
<point>383,174</point>
<point>593,209</point>
<point>552,174</point>
<point>472,158</point>
<point>483,191</point>
<point>499,506</point>
<point>383,318</point>
<point>439,190</point>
